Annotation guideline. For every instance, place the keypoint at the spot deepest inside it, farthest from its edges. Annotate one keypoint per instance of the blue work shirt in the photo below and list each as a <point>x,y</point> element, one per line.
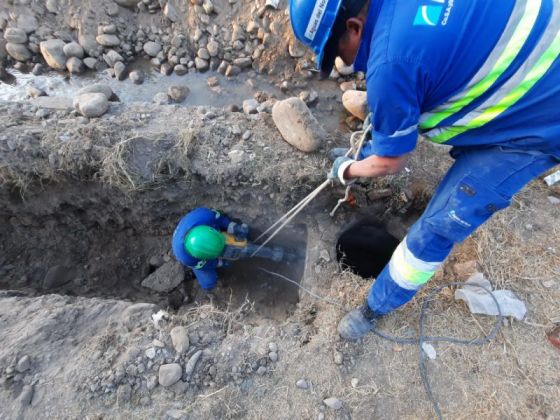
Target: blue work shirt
<point>420,54</point>
<point>205,271</point>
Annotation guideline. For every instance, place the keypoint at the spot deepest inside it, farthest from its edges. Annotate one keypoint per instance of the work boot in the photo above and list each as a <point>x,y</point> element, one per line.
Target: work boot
<point>335,153</point>
<point>357,323</point>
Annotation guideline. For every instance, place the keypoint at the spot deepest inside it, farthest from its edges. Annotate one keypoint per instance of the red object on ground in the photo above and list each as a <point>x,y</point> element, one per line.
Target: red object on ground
<point>554,337</point>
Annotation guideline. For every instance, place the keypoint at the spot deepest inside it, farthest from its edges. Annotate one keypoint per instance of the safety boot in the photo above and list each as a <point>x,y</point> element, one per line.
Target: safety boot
<point>357,323</point>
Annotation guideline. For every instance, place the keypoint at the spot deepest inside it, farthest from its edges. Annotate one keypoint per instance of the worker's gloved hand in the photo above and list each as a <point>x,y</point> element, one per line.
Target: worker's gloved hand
<point>336,152</point>
<point>239,230</point>
<point>339,167</point>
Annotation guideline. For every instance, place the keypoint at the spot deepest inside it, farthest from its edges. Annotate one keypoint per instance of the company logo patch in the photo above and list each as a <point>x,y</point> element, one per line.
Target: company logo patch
<point>428,15</point>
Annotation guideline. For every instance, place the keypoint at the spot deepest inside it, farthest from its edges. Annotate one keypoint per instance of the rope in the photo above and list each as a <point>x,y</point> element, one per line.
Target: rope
<point>422,338</point>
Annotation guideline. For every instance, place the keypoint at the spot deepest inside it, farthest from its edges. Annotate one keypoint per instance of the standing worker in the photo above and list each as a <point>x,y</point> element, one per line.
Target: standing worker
<point>481,76</point>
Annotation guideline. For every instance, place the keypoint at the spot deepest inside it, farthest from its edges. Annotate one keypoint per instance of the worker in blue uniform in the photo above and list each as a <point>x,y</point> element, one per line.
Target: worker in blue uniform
<point>478,75</point>
<point>206,240</point>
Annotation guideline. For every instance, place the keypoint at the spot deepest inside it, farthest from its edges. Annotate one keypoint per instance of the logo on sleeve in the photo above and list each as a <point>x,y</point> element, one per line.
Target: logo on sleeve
<point>429,14</point>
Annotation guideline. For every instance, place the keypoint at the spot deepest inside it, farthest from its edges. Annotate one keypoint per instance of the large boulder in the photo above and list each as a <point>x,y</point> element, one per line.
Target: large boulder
<point>18,52</point>
<point>297,124</point>
<point>355,102</point>
<point>53,53</point>
<point>92,105</point>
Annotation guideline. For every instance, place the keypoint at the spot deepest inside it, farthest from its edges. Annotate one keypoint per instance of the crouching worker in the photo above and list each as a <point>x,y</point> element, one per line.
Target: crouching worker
<point>206,240</point>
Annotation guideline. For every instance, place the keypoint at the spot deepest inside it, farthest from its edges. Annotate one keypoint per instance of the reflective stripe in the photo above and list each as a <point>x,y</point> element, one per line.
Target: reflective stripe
<point>537,64</point>
<point>518,28</point>
<point>408,271</point>
<point>404,132</point>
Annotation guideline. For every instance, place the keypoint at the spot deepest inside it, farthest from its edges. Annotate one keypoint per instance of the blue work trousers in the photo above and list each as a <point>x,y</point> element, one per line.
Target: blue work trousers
<point>480,183</point>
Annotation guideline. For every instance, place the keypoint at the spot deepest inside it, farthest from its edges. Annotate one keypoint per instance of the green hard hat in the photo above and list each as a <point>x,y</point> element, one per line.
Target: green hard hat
<point>205,243</point>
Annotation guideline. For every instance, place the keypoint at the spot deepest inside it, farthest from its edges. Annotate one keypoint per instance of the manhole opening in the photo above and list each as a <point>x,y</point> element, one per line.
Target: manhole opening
<point>365,249</point>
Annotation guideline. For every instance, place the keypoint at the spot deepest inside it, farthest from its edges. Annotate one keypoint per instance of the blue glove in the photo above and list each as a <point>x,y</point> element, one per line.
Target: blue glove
<point>239,230</point>
<point>339,167</point>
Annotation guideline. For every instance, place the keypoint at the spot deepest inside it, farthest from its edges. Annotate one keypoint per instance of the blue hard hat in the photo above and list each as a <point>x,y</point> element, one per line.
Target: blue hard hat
<point>320,23</point>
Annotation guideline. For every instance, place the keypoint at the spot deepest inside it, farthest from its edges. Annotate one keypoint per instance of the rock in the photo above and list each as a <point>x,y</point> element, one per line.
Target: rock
<point>250,106</point>
<point>97,88</point>
<point>237,156</point>
<point>180,70</point>
<point>355,102</point>
<point>296,49</point>
<point>73,49</point>
<point>123,394</point>
<point>112,57</point>
<point>243,62</point>
<point>108,40</point>
<point>34,92</point>
<point>53,53</point>
<point>18,52</point>
<point>24,399</point>
<point>152,48</point>
<point>58,275</point>
<point>273,356</point>
<point>261,370</point>
<point>166,69</point>
<point>90,63</point>
<point>137,77</point>
<point>169,374</point>
<point>309,97</point>
<point>213,81</point>
<point>109,29</point>
<point>54,102</point>
<point>120,70</point>
<point>191,364</point>
<point>75,65</point>
<point>208,7</point>
<point>201,64</point>
<point>553,200</point>
<point>92,105</point>
<point>342,68</point>
<point>203,53</point>
<point>161,99</point>
<point>27,22</point>
<point>169,275</point>
<point>38,69</point>
<point>52,6</point>
<point>23,364</point>
<point>302,384</point>
<point>180,339</point>
<point>213,48</point>
<point>170,11</point>
<point>178,93</point>
<point>354,382</point>
<point>232,71</point>
<point>89,44</point>
<point>333,403</point>
<point>429,350</point>
<point>15,36</point>
<point>338,358</point>
<point>272,346</point>
<point>297,124</point>
<point>127,3</point>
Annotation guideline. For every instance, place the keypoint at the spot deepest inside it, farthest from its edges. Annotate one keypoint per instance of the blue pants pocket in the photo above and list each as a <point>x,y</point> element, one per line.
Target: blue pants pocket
<point>470,204</point>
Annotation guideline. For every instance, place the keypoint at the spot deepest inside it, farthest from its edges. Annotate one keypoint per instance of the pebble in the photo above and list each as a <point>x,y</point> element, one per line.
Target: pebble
<point>75,65</point>
<point>261,370</point>
<point>191,364</point>
<point>333,403</point>
<point>178,93</point>
<point>296,49</point>
<point>73,49</point>
<point>150,353</point>
<point>92,105</point>
<point>108,40</point>
<point>23,364</point>
<point>302,384</point>
<point>232,71</point>
<point>180,339</point>
<point>201,64</point>
<point>15,36</point>
<point>151,382</point>
<point>355,102</point>
<point>338,358</point>
<point>38,69</point>
<point>169,374</point>
<point>250,106</point>
<point>137,77</point>
<point>213,81</point>
<point>90,63</point>
<point>112,57</point>
<point>18,52</point>
<point>273,356</point>
<point>354,382</point>
<point>429,350</point>
<point>180,70</point>
<point>152,48</point>
<point>342,68</point>
<point>170,12</point>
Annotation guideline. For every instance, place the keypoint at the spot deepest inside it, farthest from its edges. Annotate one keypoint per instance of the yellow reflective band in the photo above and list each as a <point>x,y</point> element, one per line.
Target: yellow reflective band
<point>492,112</point>
<point>408,271</point>
<point>510,52</point>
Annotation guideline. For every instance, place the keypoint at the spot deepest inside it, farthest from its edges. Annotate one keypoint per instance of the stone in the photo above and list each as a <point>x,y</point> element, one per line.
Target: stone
<point>58,275</point>
<point>169,374</point>
<point>203,53</point>
<point>232,71</point>
<point>38,69</point>
<point>152,48</point>
<point>201,64</point>
<point>261,370</point>
<point>342,68</point>
<point>34,92</point>
<point>127,3</point>
<point>213,48</point>
<point>52,6</point>
<point>108,40</point>
<point>273,356</point>
<point>18,52</point>
<point>53,53</point>
<point>15,36</point>
<point>27,22</point>
<point>208,7</point>
<point>57,103</point>
<point>23,364</point>
<point>89,44</point>
<point>191,364</point>
<point>237,156</point>
<point>302,384</point>
<point>137,77</point>
<point>120,70</point>
<point>166,69</point>
<point>170,11</point>
<point>178,93</point>
<point>97,88</point>
<point>180,70</point>
<point>272,346</point>
<point>213,81</point>
<point>243,62</point>
<point>169,275</point>
<point>124,393</point>
<point>109,29</point>
<point>296,49</point>
<point>112,57</point>
<point>355,102</point>
<point>333,403</point>
<point>73,49</point>
<point>309,97</point>
<point>160,99</point>
<point>92,105</point>
<point>75,65</point>
<point>297,125</point>
<point>90,63</point>
<point>180,339</point>
<point>250,106</point>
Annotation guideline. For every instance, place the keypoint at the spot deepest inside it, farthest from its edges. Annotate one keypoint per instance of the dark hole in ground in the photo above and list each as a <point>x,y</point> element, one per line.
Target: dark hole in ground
<point>365,249</point>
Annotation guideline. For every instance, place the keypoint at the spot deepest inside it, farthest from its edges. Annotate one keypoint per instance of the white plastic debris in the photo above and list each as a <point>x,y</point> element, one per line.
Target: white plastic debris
<point>480,302</point>
<point>429,350</point>
<point>552,179</point>
<point>161,315</point>
<point>272,3</point>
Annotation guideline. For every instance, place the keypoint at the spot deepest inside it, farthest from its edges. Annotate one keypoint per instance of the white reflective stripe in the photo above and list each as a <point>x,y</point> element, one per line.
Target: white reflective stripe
<point>516,15</point>
<point>404,267</point>
<point>514,81</point>
<point>404,132</point>
<point>315,19</point>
